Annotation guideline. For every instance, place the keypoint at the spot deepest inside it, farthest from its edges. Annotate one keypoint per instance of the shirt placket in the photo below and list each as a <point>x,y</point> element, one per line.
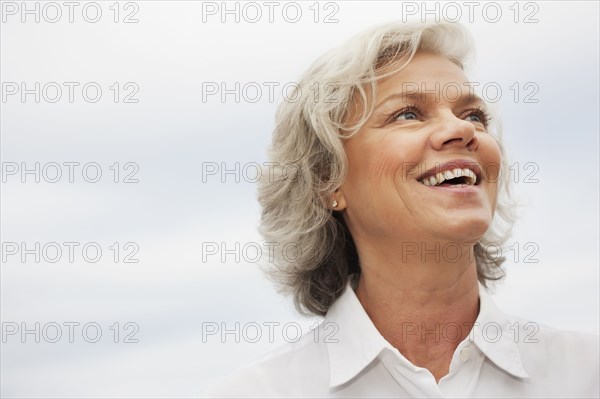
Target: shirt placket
<point>413,381</point>
<point>465,368</point>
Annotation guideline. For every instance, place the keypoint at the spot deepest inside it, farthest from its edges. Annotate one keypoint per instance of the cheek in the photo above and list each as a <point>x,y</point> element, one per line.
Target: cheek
<point>359,161</point>
<point>490,158</point>
<point>491,163</point>
<point>396,157</point>
<point>372,159</point>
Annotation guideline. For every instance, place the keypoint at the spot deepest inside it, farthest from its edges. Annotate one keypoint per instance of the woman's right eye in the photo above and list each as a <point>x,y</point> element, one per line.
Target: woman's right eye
<point>408,113</point>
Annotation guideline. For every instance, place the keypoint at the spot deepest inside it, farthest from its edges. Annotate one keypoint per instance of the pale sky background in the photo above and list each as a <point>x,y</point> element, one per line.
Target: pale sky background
<point>170,293</point>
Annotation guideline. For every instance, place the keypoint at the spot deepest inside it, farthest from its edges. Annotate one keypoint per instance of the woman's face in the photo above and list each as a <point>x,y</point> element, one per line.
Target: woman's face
<point>389,192</point>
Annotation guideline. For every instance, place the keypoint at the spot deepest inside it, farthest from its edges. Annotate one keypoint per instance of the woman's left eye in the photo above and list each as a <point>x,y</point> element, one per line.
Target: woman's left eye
<point>477,118</point>
<point>480,116</point>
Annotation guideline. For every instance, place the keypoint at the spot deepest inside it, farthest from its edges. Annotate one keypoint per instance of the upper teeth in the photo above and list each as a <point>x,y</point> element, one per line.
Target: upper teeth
<point>440,177</point>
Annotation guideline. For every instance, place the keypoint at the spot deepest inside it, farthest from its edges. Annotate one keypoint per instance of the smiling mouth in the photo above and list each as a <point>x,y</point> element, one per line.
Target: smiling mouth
<point>458,177</point>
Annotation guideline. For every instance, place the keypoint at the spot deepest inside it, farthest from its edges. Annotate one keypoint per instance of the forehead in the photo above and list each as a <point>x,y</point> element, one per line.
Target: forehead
<point>426,70</point>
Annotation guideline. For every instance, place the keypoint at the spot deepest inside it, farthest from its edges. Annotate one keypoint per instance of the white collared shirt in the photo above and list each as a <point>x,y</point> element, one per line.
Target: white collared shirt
<point>503,356</point>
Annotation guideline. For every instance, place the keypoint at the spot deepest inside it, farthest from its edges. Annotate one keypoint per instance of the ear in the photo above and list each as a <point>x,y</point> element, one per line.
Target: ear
<point>339,200</point>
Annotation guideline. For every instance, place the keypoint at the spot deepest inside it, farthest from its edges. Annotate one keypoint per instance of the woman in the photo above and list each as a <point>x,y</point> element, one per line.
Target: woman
<point>398,204</point>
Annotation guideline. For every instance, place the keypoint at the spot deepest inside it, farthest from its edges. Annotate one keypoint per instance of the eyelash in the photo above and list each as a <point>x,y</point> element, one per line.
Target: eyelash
<point>478,111</point>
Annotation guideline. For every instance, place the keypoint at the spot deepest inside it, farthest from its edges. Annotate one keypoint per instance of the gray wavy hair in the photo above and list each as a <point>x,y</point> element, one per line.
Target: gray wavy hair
<point>308,162</point>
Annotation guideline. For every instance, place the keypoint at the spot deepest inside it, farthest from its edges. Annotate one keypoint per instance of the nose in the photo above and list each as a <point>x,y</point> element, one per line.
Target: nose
<point>453,132</point>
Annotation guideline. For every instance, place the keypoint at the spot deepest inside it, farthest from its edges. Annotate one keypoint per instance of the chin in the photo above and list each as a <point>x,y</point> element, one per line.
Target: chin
<point>466,228</point>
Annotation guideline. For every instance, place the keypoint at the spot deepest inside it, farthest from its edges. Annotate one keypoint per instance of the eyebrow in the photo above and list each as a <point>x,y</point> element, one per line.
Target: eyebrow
<point>422,96</point>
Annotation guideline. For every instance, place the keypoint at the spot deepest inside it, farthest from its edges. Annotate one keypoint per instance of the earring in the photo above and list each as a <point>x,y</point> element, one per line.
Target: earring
<point>334,203</point>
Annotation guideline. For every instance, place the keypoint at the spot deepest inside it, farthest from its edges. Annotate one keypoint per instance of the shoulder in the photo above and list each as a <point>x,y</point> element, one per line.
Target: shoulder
<point>562,355</point>
<point>541,338</point>
<point>298,369</point>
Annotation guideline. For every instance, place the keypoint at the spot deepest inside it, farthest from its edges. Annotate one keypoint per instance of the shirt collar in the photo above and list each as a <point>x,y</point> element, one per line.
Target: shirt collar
<point>357,335</point>
<point>493,335</point>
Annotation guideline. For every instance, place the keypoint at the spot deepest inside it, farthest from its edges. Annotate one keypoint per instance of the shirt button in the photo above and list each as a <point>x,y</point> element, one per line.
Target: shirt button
<point>464,354</point>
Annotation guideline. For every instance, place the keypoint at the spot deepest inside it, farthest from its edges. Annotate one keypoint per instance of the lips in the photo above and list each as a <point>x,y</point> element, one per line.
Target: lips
<point>454,173</point>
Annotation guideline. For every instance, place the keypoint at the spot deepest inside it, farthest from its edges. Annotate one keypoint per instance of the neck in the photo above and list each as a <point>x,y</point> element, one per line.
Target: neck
<point>421,303</point>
